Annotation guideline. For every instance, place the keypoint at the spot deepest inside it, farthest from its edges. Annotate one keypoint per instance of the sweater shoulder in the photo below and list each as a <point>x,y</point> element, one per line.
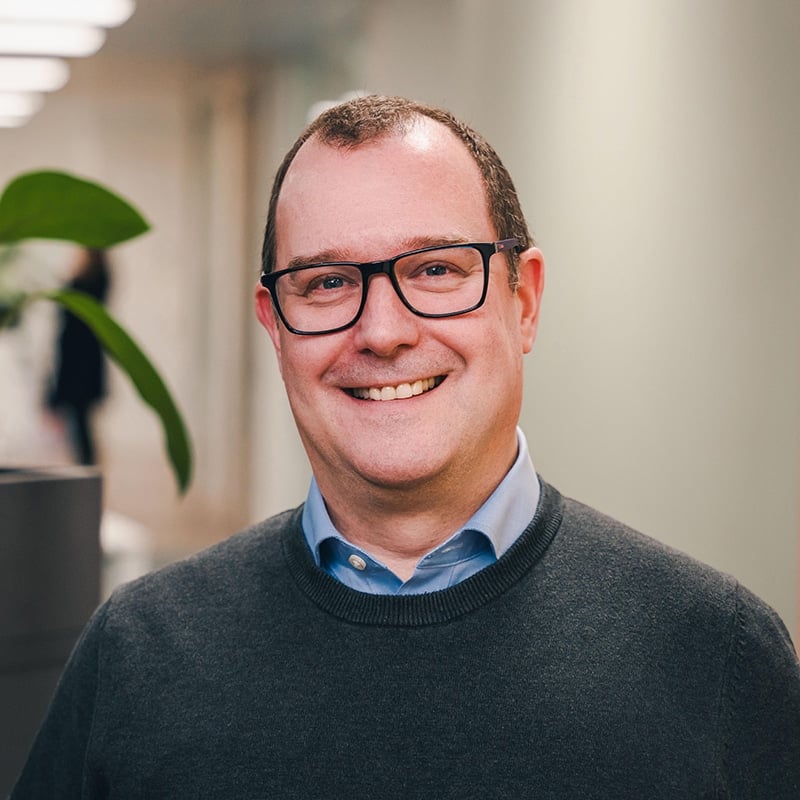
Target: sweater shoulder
<point>669,587</point>
<point>625,545</point>
<point>250,561</point>
<point>644,570</point>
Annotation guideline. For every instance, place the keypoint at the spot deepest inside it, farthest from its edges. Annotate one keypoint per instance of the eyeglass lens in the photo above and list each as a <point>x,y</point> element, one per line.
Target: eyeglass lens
<point>435,282</point>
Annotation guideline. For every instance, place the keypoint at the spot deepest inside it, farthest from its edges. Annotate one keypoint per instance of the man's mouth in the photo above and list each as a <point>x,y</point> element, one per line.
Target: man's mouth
<point>400,391</point>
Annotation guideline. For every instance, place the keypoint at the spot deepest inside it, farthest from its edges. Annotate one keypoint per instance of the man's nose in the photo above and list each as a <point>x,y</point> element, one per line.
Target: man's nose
<point>385,323</point>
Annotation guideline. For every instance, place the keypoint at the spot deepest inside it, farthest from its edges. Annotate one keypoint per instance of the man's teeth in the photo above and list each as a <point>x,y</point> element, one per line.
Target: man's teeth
<point>399,392</point>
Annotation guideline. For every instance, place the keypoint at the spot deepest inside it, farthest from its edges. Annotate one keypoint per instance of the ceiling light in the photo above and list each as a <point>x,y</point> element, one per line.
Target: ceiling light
<point>12,121</point>
<point>16,108</point>
<point>19,104</point>
<point>32,74</point>
<point>108,13</point>
<point>30,38</point>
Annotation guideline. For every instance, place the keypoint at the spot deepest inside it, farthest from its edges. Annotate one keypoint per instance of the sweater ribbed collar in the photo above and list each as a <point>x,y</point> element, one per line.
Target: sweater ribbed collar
<point>423,609</point>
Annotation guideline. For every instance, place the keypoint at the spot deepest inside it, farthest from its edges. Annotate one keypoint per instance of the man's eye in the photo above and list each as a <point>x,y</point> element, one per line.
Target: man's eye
<point>332,282</point>
<point>435,270</point>
<point>329,284</point>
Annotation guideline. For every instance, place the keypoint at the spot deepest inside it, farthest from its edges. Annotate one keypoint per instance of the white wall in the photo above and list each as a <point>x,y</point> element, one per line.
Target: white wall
<point>673,167</point>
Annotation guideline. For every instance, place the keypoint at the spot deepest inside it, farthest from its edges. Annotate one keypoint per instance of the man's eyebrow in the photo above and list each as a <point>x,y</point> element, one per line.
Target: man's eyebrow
<point>336,256</point>
<point>323,257</point>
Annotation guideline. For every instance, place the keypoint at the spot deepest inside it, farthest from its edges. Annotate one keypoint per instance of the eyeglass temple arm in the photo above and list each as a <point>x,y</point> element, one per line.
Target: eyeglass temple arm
<point>506,244</point>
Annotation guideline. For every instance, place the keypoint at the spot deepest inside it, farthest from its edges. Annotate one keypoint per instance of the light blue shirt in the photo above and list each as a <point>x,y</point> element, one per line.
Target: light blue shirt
<point>493,528</point>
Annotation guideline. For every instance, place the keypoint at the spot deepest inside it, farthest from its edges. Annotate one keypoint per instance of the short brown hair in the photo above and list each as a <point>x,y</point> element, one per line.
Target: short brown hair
<point>366,119</point>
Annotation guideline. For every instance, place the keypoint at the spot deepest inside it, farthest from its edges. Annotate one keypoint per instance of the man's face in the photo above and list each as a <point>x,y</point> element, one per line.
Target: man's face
<point>370,203</point>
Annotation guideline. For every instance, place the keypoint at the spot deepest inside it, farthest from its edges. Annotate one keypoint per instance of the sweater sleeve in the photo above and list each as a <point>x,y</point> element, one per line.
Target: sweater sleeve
<point>57,763</point>
<point>760,707</point>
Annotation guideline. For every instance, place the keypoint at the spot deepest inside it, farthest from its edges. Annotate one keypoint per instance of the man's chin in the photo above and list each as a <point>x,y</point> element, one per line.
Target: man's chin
<point>381,469</point>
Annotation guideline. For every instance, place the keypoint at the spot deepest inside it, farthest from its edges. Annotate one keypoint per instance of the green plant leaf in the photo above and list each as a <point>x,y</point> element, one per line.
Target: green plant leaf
<point>119,346</point>
<point>57,205</point>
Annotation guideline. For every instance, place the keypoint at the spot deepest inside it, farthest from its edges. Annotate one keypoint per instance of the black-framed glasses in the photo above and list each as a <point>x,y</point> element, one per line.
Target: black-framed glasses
<point>439,281</point>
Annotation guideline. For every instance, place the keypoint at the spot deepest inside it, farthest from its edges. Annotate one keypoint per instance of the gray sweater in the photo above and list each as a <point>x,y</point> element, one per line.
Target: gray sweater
<point>588,662</point>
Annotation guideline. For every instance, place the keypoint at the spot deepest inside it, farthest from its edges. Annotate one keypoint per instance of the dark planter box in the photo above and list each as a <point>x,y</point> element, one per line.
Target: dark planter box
<point>49,586</point>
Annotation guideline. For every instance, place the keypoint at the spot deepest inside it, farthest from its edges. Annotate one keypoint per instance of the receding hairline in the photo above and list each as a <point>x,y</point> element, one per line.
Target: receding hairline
<point>404,132</point>
<point>363,135</point>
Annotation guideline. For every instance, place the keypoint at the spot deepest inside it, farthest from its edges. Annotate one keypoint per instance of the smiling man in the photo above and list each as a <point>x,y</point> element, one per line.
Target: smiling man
<point>409,421</point>
<point>435,620</point>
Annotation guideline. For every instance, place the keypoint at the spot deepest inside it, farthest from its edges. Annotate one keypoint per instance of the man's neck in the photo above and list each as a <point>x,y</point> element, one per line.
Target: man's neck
<point>399,526</point>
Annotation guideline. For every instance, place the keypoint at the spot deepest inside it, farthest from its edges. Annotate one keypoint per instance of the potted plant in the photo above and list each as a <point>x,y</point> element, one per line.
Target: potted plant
<point>50,519</point>
<point>56,205</point>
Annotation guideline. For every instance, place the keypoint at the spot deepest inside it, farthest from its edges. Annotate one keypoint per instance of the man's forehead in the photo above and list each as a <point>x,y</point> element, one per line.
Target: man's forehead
<point>417,182</point>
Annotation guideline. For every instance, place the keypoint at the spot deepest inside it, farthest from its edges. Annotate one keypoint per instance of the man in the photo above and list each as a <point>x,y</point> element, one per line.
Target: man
<point>435,621</point>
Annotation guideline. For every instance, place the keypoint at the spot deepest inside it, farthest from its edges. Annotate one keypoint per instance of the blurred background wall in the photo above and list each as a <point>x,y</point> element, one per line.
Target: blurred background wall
<point>654,146</point>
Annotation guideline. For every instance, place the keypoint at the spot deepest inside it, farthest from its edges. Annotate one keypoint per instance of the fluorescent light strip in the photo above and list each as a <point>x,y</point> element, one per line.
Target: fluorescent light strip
<point>12,121</point>
<point>108,13</point>
<point>20,104</point>
<point>48,39</point>
<point>32,74</point>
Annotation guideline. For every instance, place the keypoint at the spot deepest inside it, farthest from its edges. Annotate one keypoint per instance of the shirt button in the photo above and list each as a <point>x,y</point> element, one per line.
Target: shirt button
<point>357,562</point>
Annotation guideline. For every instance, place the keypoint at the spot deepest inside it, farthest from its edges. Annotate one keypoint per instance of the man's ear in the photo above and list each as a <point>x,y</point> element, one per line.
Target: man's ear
<point>266,316</point>
<point>529,293</point>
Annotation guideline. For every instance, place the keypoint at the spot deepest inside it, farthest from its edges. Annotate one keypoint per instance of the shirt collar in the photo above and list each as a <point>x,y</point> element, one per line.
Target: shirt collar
<point>501,519</point>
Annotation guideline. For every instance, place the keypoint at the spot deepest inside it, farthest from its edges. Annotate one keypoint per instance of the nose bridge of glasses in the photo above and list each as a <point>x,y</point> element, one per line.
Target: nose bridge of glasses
<point>386,268</point>
<point>383,267</point>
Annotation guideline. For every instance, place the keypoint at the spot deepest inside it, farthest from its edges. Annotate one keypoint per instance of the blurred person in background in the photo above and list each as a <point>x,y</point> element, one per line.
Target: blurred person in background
<point>78,382</point>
